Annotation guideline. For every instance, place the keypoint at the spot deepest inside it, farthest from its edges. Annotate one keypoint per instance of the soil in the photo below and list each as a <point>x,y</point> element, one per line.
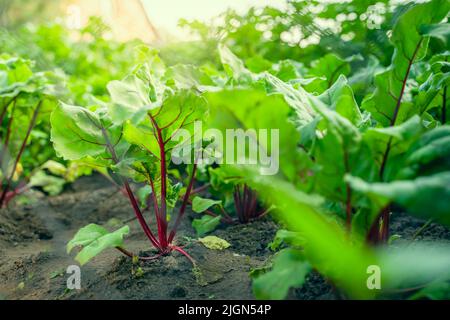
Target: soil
<point>33,260</point>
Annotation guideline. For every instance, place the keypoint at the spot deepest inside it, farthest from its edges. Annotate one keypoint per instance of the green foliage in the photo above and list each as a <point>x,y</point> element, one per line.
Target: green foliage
<point>286,237</point>
<point>26,98</point>
<point>289,271</point>
<point>357,91</point>
<point>410,45</point>
<point>89,62</point>
<point>205,224</point>
<point>440,31</point>
<point>77,132</point>
<point>343,162</point>
<point>201,204</point>
<point>94,239</point>
<point>435,291</point>
<point>413,195</point>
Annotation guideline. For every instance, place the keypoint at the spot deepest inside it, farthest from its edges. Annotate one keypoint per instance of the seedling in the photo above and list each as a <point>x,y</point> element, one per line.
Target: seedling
<point>244,202</point>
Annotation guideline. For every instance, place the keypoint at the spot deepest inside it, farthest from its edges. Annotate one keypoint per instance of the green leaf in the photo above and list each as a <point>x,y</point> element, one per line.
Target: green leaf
<point>410,46</point>
<point>435,291</point>
<point>50,184</point>
<point>414,195</point>
<point>206,224</point>
<point>173,193</point>
<point>188,77</point>
<point>415,265</point>
<point>201,204</point>
<point>142,195</point>
<point>339,97</point>
<point>296,98</point>
<point>286,70</point>
<point>289,271</point>
<point>130,99</point>
<point>94,239</point>
<point>234,67</point>
<point>55,167</point>
<point>76,132</point>
<point>362,80</point>
<point>284,236</point>
<point>428,93</point>
<point>141,135</point>
<point>331,66</point>
<point>430,154</point>
<point>337,151</point>
<point>180,110</point>
<point>401,136</point>
<point>256,110</point>
<point>214,243</point>
<point>440,31</point>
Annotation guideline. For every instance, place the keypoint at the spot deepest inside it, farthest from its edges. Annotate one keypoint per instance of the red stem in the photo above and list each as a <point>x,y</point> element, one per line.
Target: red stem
<point>184,203</point>
<point>155,207</point>
<point>131,196</point>
<point>163,200</point>
<point>384,216</point>
<point>131,255</point>
<point>227,217</point>
<point>375,234</point>
<point>200,189</point>
<point>236,195</point>
<point>263,213</point>
<point>11,194</point>
<point>180,250</point>
<point>140,217</point>
<point>397,109</point>
<point>5,108</point>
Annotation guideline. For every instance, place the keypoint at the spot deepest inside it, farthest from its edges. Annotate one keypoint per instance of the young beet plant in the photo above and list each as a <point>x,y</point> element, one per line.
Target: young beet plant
<point>25,99</point>
<point>133,137</point>
<point>238,198</point>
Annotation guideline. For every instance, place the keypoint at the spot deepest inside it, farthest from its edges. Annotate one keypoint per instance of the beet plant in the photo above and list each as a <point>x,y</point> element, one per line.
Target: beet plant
<point>238,203</point>
<point>246,204</point>
<point>26,99</point>
<point>133,136</point>
<point>347,165</point>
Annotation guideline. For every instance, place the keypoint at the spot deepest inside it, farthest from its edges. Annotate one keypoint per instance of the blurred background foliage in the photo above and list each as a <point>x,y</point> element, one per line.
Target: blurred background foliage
<point>304,32</point>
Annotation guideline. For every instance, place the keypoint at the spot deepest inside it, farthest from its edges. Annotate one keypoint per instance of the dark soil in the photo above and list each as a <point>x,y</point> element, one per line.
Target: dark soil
<point>33,260</point>
<point>406,229</point>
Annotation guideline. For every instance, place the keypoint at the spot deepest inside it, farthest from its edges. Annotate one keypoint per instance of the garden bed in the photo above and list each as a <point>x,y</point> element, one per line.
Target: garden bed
<point>33,260</point>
